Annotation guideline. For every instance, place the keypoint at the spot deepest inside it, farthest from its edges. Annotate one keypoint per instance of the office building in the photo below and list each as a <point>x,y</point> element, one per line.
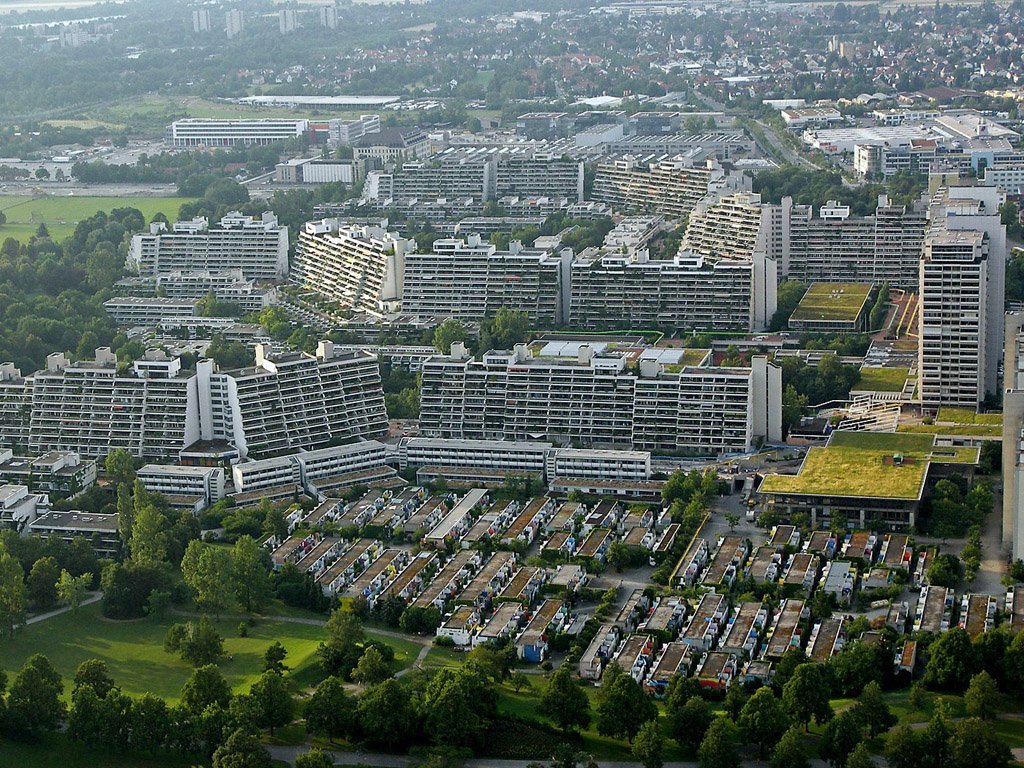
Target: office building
<point>234,23</point>
<point>348,132</point>
<point>470,280</point>
<point>960,294</point>
<point>595,401</point>
<point>256,247</point>
<point>359,267</point>
<point>206,133</point>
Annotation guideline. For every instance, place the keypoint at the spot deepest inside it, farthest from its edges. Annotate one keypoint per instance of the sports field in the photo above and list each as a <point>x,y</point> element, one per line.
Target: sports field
<point>62,214</point>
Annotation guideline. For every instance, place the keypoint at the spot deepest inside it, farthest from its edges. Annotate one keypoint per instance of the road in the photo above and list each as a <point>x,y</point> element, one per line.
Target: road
<point>780,146</point>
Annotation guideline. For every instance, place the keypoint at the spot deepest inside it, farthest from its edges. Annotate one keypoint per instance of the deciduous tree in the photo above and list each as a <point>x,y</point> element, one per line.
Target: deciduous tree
<point>565,702</point>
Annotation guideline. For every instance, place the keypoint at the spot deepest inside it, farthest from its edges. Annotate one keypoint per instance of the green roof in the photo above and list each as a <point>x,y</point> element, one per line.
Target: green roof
<point>832,301</point>
<point>967,416</point>
<point>861,464</point>
<point>882,379</point>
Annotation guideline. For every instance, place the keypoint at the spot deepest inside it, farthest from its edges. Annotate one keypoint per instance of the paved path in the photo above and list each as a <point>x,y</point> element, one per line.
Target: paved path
<point>93,598</point>
<point>288,754</point>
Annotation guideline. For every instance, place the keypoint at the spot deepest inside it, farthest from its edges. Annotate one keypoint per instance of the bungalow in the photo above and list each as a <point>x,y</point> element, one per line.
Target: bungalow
<point>906,658</point>
<point>461,625</point>
<point>599,652</point>
<point>527,524</point>
<point>691,563</point>
<point>801,572</point>
<point>743,632</point>
<point>717,670</point>
<point>765,565</point>
<point>784,536</point>
<point>665,618</point>
<point>503,623</point>
<point>786,629</point>
<point>675,659</point>
<point>633,611</point>
<point>449,580</point>
<point>727,562</point>
<point>896,617</point>
<point>822,543</point>
<point>532,644</point>
<point>344,570</point>
<point>707,622</point>
<point>635,656</point>
<point>839,580</point>
<point>494,574</point>
<point>827,639</point>
<point>596,544</point>
<point>524,586</point>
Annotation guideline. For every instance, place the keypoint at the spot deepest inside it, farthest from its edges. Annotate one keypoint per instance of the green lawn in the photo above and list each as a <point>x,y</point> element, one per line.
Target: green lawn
<point>61,214</point>
<point>882,379</point>
<point>966,430</point>
<point>134,652</point>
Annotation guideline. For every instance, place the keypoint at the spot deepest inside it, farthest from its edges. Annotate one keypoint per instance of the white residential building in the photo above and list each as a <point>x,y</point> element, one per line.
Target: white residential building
<point>1013,435</point>
<point>205,483</point>
<point>961,298</point>
<point>234,22</point>
<point>206,133</point>
<point>359,267</point>
<point>594,400</point>
<point>256,247</point>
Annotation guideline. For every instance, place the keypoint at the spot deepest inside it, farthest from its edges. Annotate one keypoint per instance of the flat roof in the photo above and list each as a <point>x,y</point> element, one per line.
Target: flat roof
<point>832,301</point>
<point>74,520</point>
<point>327,101</point>
<point>864,464</point>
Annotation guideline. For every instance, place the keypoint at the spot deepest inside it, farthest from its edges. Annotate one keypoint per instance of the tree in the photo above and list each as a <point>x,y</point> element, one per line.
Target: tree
<point>208,573</point>
<point>329,712</point>
<point>315,758</point>
<point>157,602</point>
<point>42,582</point>
<point>980,698</point>
<point>205,687</point>
<point>371,669</point>
<point>565,702</point>
<point>518,681</point>
<point>453,717</point>
<point>448,332</point>
<point>944,570</point>
<point>790,751</point>
<point>147,544</point>
<point>805,696</point>
<point>199,644</point>
<point>872,712</point>
<point>93,673</point>
<point>619,556</point>
<point>763,719</point>
<point>624,708</point>
<point>13,594</point>
<point>33,703</point>
<point>951,661</point>
<point>691,721</point>
<point>788,664</point>
<point>841,735</point>
<point>120,467</point>
<point>250,576</point>
<point>273,658</point>
<point>274,523</point>
<point>71,590</point>
<point>386,715</point>
<point>903,748</point>
<point>125,512</point>
<point>151,723</point>
<point>735,699</point>
<point>420,621</point>
<point>935,740</point>
<point>649,745</point>
<point>860,757</point>
<point>273,700</point>
<point>241,750</point>
<point>975,743</point>
<point>716,751</point>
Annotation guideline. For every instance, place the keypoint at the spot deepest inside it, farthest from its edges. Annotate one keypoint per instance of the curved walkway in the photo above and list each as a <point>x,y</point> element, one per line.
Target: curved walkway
<point>93,598</point>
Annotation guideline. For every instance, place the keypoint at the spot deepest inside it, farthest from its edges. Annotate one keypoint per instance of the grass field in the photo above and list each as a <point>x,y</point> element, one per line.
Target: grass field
<point>965,430</point>
<point>882,379</point>
<point>832,301</point>
<point>61,214</point>
<point>133,650</point>
<point>56,749</point>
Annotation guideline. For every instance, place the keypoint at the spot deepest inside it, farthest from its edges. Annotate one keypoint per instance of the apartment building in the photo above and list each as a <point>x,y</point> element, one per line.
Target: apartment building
<point>90,407</point>
<point>730,226</point>
<point>257,247</point>
<point>669,187</point>
<point>359,267</point>
<point>479,174</point>
<point>693,291</point>
<point>57,472</point>
<point>594,400</point>
<point>208,133</point>
<point>293,400</point>
<point>155,408</point>
<point>228,286</point>
<point>348,132</point>
<point>309,468</point>
<point>962,273</point>
<point>19,508</point>
<point>130,311</point>
<point>99,530</point>
<point>176,481</point>
<point>1013,434</point>
<point>469,279</point>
